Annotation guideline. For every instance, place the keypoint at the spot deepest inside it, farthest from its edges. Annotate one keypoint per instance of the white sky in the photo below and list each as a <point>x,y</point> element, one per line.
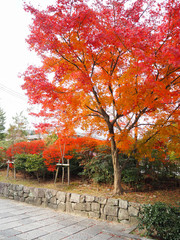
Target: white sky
<point>14,55</point>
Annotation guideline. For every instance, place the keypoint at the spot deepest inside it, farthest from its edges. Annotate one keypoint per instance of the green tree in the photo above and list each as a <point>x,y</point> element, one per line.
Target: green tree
<point>17,131</point>
<point>20,161</point>
<point>35,164</point>
<point>2,124</point>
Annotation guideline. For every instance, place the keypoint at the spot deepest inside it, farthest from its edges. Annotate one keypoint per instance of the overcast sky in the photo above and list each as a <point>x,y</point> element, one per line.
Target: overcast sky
<point>14,55</point>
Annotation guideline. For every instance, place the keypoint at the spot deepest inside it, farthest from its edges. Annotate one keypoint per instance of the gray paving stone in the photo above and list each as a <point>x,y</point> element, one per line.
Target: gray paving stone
<point>51,228</point>
<point>28,227</point>
<point>102,236</point>
<point>114,231</point>
<point>21,221</point>
<point>62,217</point>
<point>26,221</point>
<point>2,237</point>
<point>15,238</point>
<point>73,229</point>
<point>54,236</point>
<point>4,210</point>
<point>34,213</point>
<point>5,214</point>
<point>120,238</point>
<point>47,221</point>
<point>80,236</point>
<point>32,234</point>
<point>10,225</point>
<point>9,232</point>
<point>21,216</point>
<point>18,212</point>
<point>40,217</point>
<point>94,230</point>
<point>68,222</point>
<point>87,222</point>
<point>8,220</point>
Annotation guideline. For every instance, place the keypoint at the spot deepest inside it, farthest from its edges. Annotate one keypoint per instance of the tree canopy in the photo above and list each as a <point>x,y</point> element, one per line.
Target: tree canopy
<point>111,67</point>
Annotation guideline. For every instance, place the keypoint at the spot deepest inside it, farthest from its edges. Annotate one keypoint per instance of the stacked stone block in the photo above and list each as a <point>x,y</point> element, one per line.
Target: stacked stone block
<point>84,205</point>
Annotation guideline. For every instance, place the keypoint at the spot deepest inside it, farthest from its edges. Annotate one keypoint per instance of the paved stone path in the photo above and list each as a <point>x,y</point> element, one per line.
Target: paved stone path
<point>23,221</point>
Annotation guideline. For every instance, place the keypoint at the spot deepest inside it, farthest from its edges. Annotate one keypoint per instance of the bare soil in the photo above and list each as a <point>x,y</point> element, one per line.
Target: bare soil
<point>77,185</point>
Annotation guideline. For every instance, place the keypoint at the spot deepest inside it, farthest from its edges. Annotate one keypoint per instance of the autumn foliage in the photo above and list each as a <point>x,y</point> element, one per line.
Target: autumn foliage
<point>109,67</point>
<point>62,149</point>
<point>33,147</point>
<point>66,147</point>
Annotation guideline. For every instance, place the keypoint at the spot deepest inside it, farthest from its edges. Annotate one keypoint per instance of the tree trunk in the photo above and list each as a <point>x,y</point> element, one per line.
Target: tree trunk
<point>117,169</point>
<point>37,175</point>
<point>7,171</point>
<point>57,170</point>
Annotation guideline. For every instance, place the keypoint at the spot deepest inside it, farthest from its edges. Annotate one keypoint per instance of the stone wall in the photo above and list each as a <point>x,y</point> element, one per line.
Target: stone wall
<point>83,205</point>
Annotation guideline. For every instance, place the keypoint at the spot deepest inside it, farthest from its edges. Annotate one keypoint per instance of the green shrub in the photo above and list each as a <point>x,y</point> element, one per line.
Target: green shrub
<point>2,156</point>
<point>161,220</point>
<point>131,174</point>
<point>99,168</point>
<point>20,161</point>
<point>30,163</point>
<point>75,166</point>
<point>160,174</point>
<point>35,164</point>
<point>159,169</point>
<point>133,177</point>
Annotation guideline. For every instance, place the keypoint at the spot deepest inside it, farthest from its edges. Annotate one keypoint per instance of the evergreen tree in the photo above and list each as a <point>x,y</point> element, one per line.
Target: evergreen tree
<point>2,124</point>
<point>17,131</point>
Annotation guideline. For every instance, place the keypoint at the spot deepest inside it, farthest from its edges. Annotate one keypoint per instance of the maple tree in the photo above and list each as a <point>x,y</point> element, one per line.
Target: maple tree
<point>110,67</point>
<point>33,147</point>
<point>165,143</point>
<point>66,147</point>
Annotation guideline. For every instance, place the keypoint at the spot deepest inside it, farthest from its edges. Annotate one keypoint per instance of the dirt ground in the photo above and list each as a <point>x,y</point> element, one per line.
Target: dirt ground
<point>77,185</point>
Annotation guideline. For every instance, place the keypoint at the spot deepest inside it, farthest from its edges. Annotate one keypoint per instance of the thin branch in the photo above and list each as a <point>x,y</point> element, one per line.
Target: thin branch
<point>117,125</point>
<point>94,115</point>
<point>66,59</point>
<point>170,115</point>
<point>156,52</point>
<point>146,124</point>
<point>93,110</point>
<point>137,118</point>
<point>129,121</point>
<point>168,74</point>
<point>172,82</point>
